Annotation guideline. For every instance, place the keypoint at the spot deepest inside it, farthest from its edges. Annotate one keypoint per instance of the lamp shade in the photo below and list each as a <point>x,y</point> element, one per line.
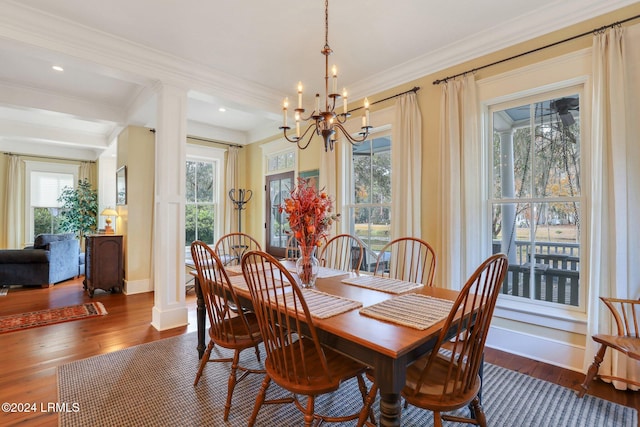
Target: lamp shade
<point>109,212</point>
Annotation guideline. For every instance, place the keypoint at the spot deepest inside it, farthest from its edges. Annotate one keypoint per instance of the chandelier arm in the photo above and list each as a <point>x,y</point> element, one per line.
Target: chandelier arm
<point>353,140</point>
<point>299,143</point>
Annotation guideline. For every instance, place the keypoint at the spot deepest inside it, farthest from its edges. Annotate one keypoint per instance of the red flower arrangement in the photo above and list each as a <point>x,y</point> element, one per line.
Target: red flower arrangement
<point>310,214</point>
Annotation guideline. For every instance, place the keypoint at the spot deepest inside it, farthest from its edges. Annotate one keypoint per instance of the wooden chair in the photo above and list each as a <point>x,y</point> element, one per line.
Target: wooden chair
<point>449,380</point>
<point>407,258</point>
<point>229,329</point>
<point>292,252</point>
<point>231,247</point>
<point>295,359</point>
<point>342,252</point>
<point>626,313</point>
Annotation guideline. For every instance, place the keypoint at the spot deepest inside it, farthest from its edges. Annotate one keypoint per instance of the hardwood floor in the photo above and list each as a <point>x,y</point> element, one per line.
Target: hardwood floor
<point>30,357</point>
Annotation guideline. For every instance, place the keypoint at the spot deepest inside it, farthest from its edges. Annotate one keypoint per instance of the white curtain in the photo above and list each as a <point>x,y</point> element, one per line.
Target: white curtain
<point>615,207</point>
<point>328,181</point>
<point>460,160</point>
<point>406,167</point>
<point>84,172</point>
<point>231,182</point>
<point>13,217</point>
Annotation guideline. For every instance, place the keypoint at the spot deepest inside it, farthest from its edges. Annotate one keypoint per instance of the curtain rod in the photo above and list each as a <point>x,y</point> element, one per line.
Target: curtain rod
<point>49,157</point>
<point>197,138</point>
<point>413,89</point>
<point>594,31</point>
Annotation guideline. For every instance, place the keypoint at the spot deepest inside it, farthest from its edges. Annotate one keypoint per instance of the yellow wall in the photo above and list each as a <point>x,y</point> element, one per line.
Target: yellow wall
<point>136,151</point>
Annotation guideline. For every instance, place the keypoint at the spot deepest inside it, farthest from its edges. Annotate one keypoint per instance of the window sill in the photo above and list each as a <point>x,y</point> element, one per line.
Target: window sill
<point>568,320</point>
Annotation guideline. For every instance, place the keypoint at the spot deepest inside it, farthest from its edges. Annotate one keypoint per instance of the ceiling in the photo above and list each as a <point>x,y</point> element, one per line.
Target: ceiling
<point>244,56</point>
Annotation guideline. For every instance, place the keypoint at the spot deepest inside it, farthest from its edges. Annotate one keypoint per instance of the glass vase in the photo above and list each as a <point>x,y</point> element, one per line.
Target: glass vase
<point>307,266</point>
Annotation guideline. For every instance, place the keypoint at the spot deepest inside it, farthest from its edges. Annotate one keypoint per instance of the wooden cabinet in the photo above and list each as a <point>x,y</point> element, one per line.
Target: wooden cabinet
<point>103,263</point>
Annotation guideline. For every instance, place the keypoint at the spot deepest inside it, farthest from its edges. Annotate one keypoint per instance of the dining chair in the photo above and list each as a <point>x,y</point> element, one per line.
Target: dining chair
<point>231,247</point>
<point>626,313</point>
<point>234,330</point>
<point>407,258</point>
<point>448,377</point>
<point>342,252</point>
<point>292,252</point>
<point>295,359</point>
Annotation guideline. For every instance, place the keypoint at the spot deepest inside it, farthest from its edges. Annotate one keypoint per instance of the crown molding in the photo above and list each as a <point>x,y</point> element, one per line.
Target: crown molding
<point>503,35</point>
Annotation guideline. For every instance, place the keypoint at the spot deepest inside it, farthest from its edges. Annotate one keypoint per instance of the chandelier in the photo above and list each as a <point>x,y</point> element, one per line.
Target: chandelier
<point>325,122</point>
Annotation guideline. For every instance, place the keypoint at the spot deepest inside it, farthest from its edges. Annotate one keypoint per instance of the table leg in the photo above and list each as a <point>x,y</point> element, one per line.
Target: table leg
<point>390,409</point>
<point>200,313</point>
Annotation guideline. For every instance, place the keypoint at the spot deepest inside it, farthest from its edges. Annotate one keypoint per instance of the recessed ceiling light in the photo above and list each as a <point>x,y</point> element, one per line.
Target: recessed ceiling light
<point>57,68</point>
<point>222,109</point>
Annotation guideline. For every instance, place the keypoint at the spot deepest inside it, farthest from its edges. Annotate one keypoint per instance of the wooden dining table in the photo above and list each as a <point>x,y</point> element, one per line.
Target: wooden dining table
<point>385,346</point>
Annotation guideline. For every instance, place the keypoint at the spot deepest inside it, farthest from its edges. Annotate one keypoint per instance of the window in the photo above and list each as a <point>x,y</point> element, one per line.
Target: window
<point>368,201</point>
<point>45,182</point>
<point>201,201</point>
<point>535,196</point>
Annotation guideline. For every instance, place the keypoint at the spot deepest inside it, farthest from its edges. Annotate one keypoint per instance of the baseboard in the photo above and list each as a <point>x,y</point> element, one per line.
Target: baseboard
<point>137,286</point>
<point>538,348</point>
<point>169,319</point>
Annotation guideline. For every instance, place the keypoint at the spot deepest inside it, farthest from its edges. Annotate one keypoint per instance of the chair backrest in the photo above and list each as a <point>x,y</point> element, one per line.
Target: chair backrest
<point>474,306</point>
<point>283,317</point>
<point>407,258</point>
<point>219,296</point>
<point>231,247</point>
<point>292,252</point>
<point>342,252</point>
<point>626,313</point>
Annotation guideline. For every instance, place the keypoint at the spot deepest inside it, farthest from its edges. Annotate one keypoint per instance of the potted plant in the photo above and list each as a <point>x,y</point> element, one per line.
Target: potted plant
<point>79,209</point>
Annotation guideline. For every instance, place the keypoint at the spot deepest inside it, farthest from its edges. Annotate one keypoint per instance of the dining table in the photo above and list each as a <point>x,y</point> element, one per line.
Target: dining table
<point>386,346</point>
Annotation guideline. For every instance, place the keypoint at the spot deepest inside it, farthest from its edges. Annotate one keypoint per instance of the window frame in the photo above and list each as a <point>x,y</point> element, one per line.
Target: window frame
<point>48,167</point>
<point>557,74</point>
<point>198,153</point>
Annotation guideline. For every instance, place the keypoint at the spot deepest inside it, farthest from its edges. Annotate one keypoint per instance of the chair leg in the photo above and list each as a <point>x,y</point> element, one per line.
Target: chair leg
<point>308,415</point>
<point>593,370</point>
<point>203,361</point>
<point>478,412</point>
<point>437,419</point>
<point>231,383</point>
<point>366,410</point>
<point>259,400</point>
<point>257,353</point>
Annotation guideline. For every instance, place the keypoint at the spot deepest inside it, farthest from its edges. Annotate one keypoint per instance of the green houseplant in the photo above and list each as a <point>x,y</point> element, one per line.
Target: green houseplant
<point>79,209</point>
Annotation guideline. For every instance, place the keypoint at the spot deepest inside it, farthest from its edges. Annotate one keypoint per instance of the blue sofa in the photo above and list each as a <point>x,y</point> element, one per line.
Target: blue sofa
<point>52,259</point>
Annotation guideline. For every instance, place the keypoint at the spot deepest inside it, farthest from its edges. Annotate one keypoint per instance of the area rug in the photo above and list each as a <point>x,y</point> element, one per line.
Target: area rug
<point>152,384</point>
<point>32,319</point>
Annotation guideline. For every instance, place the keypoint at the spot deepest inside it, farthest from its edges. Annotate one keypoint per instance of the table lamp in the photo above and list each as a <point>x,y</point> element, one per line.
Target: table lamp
<point>108,212</point>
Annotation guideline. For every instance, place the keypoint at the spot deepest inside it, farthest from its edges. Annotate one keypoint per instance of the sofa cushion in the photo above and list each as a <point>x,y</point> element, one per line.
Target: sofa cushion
<point>42,240</point>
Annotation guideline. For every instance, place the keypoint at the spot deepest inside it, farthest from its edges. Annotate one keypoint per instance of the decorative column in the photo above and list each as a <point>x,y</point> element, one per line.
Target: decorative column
<point>169,310</point>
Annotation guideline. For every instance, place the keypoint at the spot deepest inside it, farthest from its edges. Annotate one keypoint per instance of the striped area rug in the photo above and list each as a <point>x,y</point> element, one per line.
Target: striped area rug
<point>152,385</point>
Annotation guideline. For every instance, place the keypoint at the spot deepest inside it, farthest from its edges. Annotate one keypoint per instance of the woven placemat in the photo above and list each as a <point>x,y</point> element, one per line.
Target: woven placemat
<point>383,284</point>
<point>323,305</point>
<point>239,282</point>
<point>413,310</point>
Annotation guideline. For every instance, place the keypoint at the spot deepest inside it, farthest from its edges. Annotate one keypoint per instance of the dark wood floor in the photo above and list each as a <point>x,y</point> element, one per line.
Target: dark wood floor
<point>30,357</point>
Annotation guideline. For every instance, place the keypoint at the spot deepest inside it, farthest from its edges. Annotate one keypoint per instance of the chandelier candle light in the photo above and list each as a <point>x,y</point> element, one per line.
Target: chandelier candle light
<point>326,122</point>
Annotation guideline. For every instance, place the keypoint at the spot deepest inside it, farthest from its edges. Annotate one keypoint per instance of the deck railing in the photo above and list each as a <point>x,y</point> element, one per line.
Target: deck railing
<point>554,275</point>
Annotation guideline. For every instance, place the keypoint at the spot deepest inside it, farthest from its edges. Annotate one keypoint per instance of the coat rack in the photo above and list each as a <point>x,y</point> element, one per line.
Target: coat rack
<point>242,199</point>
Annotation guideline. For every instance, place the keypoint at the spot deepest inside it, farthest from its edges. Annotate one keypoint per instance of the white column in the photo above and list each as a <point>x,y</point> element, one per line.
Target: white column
<point>170,308</point>
<point>508,191</point>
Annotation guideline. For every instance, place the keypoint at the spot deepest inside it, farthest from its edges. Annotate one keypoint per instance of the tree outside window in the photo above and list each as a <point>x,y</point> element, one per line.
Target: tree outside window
<point>200,206</point>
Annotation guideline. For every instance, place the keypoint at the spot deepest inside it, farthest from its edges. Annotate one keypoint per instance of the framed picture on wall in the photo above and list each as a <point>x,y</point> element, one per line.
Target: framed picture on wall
<point>121,186</point>
<point>312,177</point>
